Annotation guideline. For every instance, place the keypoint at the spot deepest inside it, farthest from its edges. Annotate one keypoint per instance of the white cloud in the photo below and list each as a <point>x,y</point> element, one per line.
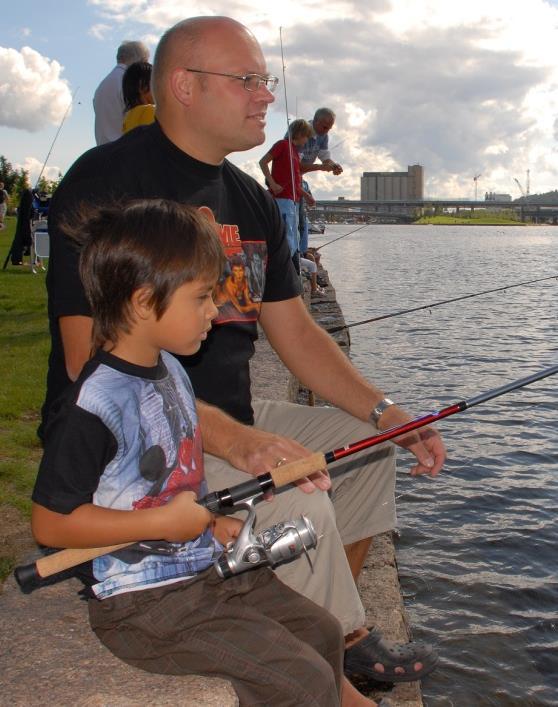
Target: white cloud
<point>32,93</point>
<point>100,30</point>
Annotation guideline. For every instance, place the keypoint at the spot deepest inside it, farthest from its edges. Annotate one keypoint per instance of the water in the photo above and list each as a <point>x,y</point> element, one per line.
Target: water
<point>477,554</point>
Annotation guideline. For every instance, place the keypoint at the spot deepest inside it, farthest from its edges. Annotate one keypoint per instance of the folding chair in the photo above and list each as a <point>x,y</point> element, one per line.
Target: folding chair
<point>40,245</point>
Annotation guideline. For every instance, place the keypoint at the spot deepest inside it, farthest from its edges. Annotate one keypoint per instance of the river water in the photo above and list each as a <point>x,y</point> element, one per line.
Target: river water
<point>477,553</point>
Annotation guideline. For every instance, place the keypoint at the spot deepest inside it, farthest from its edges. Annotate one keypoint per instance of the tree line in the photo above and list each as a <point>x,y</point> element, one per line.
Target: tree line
<point>17,180</point>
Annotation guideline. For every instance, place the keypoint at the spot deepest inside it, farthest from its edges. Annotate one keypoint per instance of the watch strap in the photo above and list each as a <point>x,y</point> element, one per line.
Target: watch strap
<point>379,409</point>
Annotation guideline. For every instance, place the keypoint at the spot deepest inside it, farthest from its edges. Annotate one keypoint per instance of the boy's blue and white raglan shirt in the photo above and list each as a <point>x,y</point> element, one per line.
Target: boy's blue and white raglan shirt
<point>126,437</point>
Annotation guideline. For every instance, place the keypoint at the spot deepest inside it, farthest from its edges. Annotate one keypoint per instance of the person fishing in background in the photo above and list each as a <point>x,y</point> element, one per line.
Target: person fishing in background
<point>285,180</point>
<point>317,147</point>
<point>108,102</point>
<point>138,99</point>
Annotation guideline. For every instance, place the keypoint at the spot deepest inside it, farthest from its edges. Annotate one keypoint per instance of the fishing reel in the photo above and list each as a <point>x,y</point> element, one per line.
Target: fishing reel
<point>279,543</point>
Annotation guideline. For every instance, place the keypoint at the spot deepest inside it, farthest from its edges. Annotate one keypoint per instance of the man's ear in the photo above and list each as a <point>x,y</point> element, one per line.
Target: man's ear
<point>181,85</point>
<point>141,302</point>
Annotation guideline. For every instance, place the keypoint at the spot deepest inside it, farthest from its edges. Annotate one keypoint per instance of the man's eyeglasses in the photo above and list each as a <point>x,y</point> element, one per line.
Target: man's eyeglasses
<point>252,82</point>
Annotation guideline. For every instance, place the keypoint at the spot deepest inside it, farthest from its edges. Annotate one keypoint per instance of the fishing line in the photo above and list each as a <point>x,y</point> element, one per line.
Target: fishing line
<point>335,329</point>
<point>343,236</point>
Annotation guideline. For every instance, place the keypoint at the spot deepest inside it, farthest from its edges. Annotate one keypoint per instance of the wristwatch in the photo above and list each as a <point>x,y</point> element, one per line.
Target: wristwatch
<point>378,411</point>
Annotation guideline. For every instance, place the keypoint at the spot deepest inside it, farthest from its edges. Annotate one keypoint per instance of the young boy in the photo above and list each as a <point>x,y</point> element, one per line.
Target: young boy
<point>285,180</point>
<point>123,463</point>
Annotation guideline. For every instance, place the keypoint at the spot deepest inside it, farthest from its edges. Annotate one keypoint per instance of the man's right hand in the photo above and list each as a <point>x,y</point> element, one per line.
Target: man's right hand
<point>331,166</point>
<point>256,452</point>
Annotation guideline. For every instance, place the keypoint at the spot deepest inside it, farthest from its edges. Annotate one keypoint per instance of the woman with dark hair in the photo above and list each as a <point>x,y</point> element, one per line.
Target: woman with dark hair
<point>136,90</point>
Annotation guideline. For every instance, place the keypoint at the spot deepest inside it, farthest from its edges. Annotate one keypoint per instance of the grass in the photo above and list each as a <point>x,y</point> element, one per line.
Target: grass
<point>25,344</point>
<point>475,219</point>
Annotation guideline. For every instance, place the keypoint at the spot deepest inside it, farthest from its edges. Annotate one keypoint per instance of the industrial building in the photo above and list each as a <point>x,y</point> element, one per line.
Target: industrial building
<point>494,196</point>
<point>393,186</point>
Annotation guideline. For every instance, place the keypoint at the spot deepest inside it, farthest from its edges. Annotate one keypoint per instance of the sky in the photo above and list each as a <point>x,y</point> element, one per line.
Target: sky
<point>463,88</point>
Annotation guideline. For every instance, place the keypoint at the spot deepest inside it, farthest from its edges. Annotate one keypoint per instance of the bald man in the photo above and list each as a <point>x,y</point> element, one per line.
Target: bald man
<point>212,90</point>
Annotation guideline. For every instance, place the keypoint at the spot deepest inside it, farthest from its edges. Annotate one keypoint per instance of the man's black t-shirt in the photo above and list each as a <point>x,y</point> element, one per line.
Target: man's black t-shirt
<point>145,164</point>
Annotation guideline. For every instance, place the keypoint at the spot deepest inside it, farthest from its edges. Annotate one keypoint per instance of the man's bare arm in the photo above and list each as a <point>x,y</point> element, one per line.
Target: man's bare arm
<point>76,342</point>
<point>318,362</point>
<point>250,449</point>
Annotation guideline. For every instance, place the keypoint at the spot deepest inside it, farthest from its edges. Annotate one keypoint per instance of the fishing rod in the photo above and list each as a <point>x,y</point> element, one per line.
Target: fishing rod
<point>56,136</point>
<point>289,137</point>
<point>342,327</point>
<point>343,236</point>
<point>27,576</point>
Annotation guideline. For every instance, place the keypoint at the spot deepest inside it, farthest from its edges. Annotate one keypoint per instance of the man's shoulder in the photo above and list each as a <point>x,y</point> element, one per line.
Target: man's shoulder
<point>233,173</point>
<point>107,165</point>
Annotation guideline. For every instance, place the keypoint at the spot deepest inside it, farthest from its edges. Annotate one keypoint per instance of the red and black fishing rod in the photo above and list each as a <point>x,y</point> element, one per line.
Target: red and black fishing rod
<point>29,576</point>
<point>432,417</point>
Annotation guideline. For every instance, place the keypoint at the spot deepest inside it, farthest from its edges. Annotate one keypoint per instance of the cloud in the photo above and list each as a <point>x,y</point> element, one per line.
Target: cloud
<point>34,167</point>
<point>100,30</point>
<point>32,93</point>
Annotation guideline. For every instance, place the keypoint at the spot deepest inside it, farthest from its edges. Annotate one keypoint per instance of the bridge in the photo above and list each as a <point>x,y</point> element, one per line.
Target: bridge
<point>408,210</point>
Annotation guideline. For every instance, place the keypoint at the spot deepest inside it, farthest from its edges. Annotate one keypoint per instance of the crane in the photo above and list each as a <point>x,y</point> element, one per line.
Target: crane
<point>520,187</point>
<point>524,192</point>
<point>475,178</point>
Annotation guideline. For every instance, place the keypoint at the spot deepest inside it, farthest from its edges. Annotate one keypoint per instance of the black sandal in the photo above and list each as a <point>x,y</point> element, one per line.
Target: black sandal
<point>374,648</point>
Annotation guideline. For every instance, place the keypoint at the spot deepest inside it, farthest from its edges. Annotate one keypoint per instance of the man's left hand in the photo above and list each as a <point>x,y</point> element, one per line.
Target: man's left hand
<point>425,443</point>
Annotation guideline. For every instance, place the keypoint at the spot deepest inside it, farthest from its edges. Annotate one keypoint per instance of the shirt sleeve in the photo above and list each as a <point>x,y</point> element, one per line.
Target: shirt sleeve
<point>277,149</point>
<point>324,153</point>
<point>78,447</point>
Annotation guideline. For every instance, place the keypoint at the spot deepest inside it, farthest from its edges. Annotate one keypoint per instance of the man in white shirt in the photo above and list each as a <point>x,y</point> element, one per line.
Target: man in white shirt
<point>108,102</point>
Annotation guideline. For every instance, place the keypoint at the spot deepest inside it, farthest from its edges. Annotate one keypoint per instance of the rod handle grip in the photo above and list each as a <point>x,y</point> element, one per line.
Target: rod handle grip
<point>28,576</point>
<point>287,473</point>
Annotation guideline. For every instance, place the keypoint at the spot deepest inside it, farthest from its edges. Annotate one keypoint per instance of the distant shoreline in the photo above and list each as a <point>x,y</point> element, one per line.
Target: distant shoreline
<point>456,221</point>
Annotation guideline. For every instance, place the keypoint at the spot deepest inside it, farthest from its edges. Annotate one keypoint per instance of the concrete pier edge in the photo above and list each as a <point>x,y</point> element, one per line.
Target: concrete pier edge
<point>49,655</point>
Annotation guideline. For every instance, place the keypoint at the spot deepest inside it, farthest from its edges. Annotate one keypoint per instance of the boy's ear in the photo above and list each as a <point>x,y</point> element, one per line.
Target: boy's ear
<point>141,302</point>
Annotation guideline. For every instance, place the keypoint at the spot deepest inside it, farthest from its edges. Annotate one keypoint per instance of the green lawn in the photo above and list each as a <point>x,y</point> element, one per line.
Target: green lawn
<point>476,219</point>
<point>25,345</point>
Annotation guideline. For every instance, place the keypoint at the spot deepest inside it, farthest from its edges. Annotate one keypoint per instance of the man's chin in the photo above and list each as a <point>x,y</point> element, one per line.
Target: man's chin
<point>255,139</point>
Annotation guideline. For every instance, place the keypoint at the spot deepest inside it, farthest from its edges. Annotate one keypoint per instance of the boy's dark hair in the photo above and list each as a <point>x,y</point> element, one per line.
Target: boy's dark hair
<point>137,77</point>
<point>153,243</point>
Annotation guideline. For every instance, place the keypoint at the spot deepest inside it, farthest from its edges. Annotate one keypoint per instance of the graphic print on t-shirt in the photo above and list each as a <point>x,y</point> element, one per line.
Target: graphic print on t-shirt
<point>239,292</point>
<point>159,455</point>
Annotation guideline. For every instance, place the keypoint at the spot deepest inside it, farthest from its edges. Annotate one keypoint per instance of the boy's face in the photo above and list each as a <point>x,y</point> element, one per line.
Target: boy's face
<point>187,319</point>
<point>300,141</point>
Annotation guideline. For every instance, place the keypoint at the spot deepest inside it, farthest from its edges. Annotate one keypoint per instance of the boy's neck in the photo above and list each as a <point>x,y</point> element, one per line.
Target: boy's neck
<point>132,351</point>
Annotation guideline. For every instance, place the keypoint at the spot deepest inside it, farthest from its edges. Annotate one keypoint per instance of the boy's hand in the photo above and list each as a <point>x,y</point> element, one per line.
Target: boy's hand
<point>184,519</point>
<point>226,529</point>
